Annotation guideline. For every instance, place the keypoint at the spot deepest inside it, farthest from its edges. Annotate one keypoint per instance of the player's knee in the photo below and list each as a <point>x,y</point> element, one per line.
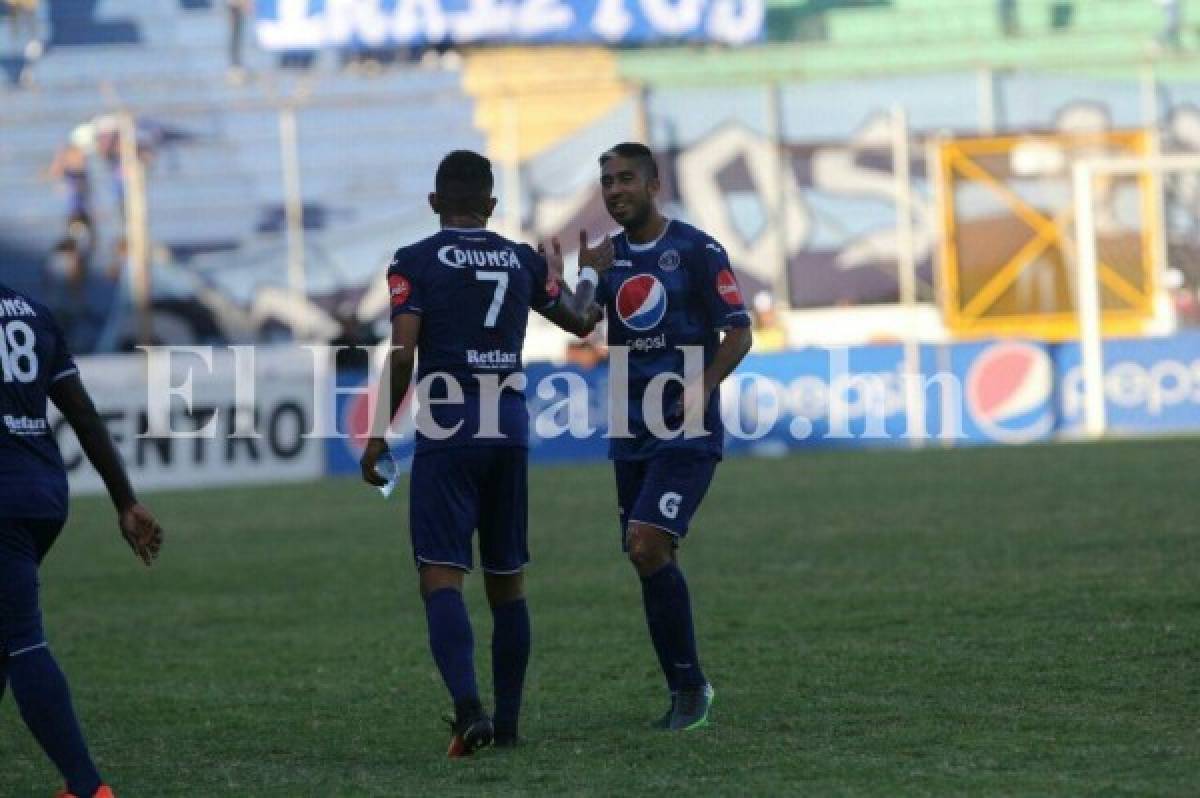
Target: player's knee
<point>436,577</point>
<point>648,550</point>
<point>21,632</point>
<point>503,588</point>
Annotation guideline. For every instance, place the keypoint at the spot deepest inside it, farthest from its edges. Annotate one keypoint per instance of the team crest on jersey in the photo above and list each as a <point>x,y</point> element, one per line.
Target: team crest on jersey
<point>400,289</point>
<point>727,287</point>
<point>641,302</point>
<point>668,261</point>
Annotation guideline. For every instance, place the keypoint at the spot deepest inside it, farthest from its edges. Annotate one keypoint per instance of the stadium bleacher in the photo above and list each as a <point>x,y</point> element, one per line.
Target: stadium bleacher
<point>216,188</point>
<point>220,181</point>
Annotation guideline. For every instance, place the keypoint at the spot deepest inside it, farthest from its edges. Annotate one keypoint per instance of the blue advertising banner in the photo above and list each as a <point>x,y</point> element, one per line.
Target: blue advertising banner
<point>1151,385</point>
<point>314,24</point>
<point>1003,391</point>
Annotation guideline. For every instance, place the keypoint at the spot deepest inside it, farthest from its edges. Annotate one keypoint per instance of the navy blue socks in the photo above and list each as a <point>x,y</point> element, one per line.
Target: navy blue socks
<point>41,693</point>
<point>658,635</point>
<point>511,639</point>
<point>452,643</point>
<point>669,618</point>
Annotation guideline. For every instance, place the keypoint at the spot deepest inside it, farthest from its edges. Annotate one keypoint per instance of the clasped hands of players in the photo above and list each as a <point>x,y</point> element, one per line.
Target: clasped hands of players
<point>598,258</point>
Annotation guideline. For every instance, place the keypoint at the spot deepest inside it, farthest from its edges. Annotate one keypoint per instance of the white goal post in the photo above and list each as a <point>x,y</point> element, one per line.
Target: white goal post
<point>1091,342</point>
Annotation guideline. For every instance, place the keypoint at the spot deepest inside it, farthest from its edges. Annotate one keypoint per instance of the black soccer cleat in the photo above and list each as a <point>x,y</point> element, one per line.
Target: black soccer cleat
<point>506,739</point>
<point>664,723</point>
<point>691,708</point>
<point>472,730</point>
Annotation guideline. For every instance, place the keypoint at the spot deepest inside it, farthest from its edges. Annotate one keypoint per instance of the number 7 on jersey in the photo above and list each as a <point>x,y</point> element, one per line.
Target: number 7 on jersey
<point>501,281</point>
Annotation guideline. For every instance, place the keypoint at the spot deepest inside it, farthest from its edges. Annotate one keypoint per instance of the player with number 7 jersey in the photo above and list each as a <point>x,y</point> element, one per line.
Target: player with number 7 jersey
<point>461,299</point>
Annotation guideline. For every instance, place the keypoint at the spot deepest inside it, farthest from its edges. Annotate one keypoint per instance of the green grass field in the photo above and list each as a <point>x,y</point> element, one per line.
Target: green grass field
<point>994,621</point>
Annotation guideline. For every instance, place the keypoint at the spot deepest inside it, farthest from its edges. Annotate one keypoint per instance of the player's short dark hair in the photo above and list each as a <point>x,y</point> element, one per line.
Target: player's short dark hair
<point>464,181</point>
<point>634,151</point>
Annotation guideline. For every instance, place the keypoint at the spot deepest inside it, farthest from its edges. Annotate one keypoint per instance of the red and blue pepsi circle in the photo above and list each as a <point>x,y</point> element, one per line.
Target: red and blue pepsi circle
<point>641,302</point>
<point>1009,392</point>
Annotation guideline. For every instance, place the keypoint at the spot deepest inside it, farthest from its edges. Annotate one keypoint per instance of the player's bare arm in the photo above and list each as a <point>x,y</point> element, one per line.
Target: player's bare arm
<point>397,377</point>
<point>138,525</point>
<point>735,345</point>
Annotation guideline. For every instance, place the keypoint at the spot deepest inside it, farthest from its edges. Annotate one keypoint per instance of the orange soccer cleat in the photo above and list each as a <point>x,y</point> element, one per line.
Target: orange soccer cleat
<point>102,792</point>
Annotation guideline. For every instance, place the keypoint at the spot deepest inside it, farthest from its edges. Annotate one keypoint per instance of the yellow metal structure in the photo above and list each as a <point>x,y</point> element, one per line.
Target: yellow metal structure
<point>529,99</point>
<point>1007,253</point>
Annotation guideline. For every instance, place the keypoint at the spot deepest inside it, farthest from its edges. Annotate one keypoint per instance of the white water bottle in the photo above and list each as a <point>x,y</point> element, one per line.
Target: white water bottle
<point>387,468</point>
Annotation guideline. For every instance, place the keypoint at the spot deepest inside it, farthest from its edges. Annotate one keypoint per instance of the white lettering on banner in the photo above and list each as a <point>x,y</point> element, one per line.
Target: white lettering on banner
<point>1155,387</point>
<point>482,18</point>
<point>348,19</point>
<point>295,25</point>
<point>673,17</point>
<point>269,447</point>
<point>417,19</point>
<point>612,20</point>
<point>543,16</point>
<point>736,21</point>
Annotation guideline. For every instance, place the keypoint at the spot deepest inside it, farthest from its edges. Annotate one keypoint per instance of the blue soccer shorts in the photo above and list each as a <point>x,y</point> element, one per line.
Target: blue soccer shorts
<point>455,491</point>
<point>664,491</point>
<point>23,544</point>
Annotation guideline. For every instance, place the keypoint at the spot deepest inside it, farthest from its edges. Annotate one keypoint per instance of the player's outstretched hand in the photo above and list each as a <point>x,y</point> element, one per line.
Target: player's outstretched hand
<point>599,257</point>
<point>141,531</point>
<point>554,264</point>
<point>371,454</point>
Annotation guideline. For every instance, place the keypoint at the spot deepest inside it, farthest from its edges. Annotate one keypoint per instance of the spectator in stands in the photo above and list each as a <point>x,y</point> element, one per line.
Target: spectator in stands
<point>24,21</point>
<point>238,11</point>
<point>1006,12</point>
<point>80,300</point>
<point>1184,297</point>
<point>108,147</point>
<point>769,333</point>
<point>70,165</point>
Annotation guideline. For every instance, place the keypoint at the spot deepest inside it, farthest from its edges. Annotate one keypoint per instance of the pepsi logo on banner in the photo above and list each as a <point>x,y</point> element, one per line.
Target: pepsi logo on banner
<point>1009,390</point>
<point>641,302</point>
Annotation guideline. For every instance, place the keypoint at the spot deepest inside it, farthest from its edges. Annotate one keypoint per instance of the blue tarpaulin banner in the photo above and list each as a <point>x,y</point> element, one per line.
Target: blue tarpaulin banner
<point>985,392</point>
<point>314,24</point>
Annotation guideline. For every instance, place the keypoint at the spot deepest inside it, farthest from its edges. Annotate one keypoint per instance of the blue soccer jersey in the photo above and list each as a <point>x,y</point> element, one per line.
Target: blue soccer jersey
<point>677,291</point>
<point>473,290</point>
<point>33,356</point>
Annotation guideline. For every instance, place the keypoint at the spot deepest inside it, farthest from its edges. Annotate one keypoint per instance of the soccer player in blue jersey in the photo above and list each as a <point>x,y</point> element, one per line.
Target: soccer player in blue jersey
<point>461,298</point>
<point>35,365</point>
<point>664,285</point>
